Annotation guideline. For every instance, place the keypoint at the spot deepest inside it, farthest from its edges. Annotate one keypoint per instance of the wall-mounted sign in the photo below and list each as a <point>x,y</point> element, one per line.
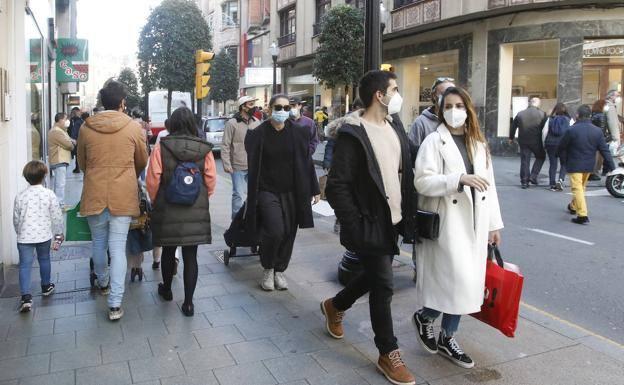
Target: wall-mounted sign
<point>603,48</point>
<point>261,76</point>
<point>72,60</point>
<point>35,67</point>
<point>73,100</point>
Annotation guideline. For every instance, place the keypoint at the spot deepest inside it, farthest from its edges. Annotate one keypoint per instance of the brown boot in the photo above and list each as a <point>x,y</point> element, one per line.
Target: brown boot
<point>333,319</point>
<point>393,368</point>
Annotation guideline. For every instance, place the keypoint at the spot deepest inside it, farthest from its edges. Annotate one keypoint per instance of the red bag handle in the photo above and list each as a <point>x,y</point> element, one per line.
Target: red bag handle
<point>494,254</point>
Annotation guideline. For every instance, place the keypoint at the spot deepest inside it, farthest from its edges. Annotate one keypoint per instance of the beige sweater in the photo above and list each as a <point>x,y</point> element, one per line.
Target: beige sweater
<point>387,149</point>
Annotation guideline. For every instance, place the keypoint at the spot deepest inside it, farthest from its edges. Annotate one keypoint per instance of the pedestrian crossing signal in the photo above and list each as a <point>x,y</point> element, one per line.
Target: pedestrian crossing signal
<point>201,73</point>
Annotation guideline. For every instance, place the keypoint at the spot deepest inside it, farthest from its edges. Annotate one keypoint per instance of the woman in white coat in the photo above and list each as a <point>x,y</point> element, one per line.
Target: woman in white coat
<point>454,177</point>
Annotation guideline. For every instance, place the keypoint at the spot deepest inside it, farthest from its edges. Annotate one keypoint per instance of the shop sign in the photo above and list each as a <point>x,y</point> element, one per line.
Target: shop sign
<point>592,50</point>
<point>72,60</point>
<point>35,68</point>
<point>73,100</point>
<point>261,76</point>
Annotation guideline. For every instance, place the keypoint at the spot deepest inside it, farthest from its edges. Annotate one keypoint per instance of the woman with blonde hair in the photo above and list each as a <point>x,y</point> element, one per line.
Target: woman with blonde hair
<point>454,178</point>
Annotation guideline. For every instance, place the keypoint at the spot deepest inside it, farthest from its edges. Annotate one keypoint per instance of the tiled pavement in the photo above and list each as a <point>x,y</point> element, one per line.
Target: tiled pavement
<point>242,335</point>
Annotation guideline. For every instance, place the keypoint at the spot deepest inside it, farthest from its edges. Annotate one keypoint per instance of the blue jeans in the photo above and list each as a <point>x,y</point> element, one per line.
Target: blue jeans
<point>239,190</point>
<point>553,159</point>
<point>109,232</point>
<point>450,322</point>
<point>58,181</point>
<point>26,256</point>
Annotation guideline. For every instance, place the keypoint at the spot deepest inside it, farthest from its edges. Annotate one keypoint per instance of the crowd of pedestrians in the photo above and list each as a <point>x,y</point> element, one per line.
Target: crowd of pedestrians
<point>378,176</point>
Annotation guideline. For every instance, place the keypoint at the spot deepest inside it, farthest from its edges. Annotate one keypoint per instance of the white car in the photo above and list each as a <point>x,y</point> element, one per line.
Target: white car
<point>213,128</point>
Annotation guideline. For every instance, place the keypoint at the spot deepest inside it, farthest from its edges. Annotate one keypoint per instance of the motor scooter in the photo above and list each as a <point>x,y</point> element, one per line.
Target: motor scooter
<point>615,179</point>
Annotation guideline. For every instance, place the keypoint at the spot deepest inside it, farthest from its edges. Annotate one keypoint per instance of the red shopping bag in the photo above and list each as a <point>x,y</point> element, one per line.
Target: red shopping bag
<point>503,288</point>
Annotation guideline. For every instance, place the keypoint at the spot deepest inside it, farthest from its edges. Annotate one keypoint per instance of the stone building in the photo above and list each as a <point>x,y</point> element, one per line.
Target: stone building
<point>505,51</point>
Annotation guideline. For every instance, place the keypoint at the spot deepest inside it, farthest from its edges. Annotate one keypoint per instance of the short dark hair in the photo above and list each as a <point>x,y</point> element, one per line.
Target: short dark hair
<point>75,109</point>
<point>182,122</point>
<point>34,172</point>
<point>113,94</point>
<point>167,124</point>
<point>84,116</point>
<point>136,114</point>
<point>59,116</point>
<point>275,97</point>
<point>584,111</point>
<point>374,81</point>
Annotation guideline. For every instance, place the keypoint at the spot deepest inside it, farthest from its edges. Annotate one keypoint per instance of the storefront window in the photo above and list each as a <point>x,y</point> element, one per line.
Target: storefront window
<point>603,69</point>
<point>416,74</point>
<point>527,69</point>
<point>35,89</point>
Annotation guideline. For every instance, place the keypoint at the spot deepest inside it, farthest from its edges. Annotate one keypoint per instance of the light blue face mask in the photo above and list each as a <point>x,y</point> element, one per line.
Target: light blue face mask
<point>280,116</point>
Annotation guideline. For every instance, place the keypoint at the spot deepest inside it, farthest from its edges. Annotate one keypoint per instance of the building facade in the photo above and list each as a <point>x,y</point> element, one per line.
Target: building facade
<point>224,19</point>
<point>295,27</point>
<point>28,99</point>
<point>506,51</point>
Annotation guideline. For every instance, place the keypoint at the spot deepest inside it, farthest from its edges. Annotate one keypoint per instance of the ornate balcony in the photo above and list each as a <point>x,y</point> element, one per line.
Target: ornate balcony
<point>415,14</point>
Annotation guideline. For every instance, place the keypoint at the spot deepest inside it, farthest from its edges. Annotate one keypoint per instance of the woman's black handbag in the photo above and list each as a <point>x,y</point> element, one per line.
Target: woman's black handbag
<point>428,224</point>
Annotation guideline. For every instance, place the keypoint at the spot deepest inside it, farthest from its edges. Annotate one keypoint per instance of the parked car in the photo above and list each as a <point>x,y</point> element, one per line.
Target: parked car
<point>214,127</point>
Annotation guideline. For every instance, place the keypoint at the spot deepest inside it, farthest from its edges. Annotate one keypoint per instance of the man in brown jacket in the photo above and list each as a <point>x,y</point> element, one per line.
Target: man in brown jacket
<point>60,146</point>
<point>233,154</point>
<point>111,153</point>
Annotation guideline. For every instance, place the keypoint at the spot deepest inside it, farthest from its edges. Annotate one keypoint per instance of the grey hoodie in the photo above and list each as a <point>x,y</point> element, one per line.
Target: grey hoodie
<point>425,124</point>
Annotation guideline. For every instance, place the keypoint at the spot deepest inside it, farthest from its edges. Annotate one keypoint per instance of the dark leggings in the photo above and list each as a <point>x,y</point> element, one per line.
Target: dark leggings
<point>189,255</point>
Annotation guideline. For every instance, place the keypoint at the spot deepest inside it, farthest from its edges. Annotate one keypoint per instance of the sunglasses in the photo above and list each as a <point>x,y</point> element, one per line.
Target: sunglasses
<point>279,107</point>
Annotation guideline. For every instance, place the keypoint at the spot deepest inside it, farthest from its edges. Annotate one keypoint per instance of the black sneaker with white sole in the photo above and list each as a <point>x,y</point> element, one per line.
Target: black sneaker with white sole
<point>448,347</point>
<point>115,313</point>
<point>25,303</point>
<point>426,336</point>
<point>48,289</point>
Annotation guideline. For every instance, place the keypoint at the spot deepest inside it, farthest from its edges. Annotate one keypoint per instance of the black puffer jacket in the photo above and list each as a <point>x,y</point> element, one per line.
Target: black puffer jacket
<point>177,225</point>
<point>356,192</point>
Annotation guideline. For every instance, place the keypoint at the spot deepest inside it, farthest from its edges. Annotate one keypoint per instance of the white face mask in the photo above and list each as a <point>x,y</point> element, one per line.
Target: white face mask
<point>66,124</point>
<point>455,117</point>
<point>294,113</point>
<point>394,105</point>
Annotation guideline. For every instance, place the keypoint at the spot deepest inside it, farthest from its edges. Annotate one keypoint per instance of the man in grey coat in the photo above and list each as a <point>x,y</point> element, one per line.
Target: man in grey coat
<point>233,154</point>
<point>428,122</point>
<point>529,124</point>
<point>613,123</point>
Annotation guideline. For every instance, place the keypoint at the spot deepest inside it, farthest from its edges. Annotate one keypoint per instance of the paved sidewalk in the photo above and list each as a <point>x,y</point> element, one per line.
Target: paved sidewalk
<point>242,335</point>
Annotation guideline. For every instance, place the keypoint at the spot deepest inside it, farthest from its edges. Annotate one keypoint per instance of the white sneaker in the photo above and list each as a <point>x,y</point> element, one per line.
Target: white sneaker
<point>268,280</point>
<point>280,281</point>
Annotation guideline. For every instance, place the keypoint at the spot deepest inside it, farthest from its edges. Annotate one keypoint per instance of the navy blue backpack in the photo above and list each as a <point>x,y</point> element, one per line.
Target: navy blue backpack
<point>185,185</point>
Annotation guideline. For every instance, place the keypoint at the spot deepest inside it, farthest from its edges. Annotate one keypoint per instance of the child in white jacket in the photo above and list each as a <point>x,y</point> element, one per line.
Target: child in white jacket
<point>37,218</point>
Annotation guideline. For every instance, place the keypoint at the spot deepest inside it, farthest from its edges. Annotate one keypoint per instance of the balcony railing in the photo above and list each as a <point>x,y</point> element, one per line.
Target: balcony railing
<point>287,39</point>
<point>415,14</point>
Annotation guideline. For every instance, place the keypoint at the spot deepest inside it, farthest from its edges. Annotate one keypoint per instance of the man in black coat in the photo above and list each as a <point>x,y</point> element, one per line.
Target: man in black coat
<point>529,124</point>
<point>371,189</point>
<point>75,123</point>
<point>577,151</point>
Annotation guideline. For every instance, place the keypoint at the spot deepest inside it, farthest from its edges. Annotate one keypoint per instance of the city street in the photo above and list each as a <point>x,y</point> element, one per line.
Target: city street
<point>242,335</point>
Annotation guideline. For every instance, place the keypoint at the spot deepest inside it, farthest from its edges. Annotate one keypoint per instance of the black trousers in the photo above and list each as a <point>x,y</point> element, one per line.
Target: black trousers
<point>278,228</point>
<point>376,278</point>
<point>189,255</point>
<point>526,150</point>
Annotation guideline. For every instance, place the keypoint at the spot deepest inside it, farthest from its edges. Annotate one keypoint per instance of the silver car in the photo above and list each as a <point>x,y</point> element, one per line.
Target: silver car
<point>214,127</point>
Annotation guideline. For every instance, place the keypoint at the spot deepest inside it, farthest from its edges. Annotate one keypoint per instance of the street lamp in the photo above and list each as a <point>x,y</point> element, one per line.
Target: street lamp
<point>274,51</point>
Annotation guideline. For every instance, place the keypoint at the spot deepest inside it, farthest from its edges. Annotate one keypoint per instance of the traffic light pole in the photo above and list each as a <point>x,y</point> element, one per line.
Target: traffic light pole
<point>199,108</point>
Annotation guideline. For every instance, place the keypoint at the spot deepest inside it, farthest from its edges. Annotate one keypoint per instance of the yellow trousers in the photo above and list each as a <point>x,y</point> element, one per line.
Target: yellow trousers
<point>578,184</point>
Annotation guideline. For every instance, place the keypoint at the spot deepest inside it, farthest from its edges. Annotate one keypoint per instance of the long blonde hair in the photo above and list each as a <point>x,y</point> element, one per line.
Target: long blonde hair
<point>474,135</point>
